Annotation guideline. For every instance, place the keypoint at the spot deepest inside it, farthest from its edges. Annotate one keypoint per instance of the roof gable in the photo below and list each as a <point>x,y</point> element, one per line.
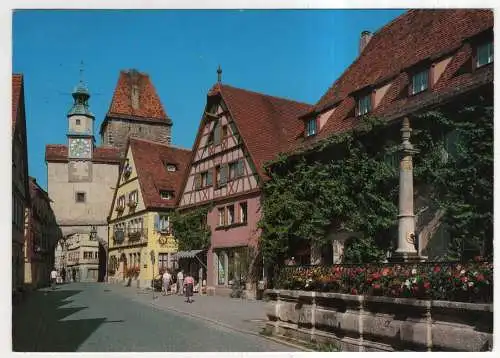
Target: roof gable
<point>136,98</point>
<point>150,159</point>
<point>267,124</point>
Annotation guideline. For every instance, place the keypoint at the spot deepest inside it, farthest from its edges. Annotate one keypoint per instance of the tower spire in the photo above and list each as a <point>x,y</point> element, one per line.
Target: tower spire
<point>219,74</point>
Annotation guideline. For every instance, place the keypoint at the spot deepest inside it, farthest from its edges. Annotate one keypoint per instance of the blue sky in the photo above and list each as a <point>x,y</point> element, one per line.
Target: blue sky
<point>296,54</point>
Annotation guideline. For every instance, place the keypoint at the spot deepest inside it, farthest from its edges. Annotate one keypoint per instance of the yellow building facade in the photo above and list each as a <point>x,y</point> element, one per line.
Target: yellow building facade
<point>139,220</point>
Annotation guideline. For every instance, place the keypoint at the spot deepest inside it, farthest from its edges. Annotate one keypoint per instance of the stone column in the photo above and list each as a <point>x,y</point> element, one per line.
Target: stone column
<point>406,219</point>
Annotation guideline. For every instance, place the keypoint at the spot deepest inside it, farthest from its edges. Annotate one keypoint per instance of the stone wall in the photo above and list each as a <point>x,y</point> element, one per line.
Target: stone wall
<point>369,323</point>
<point>117,131</point>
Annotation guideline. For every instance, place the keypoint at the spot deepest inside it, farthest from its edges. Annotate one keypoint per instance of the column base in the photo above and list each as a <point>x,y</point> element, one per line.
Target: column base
<point>407,257</point>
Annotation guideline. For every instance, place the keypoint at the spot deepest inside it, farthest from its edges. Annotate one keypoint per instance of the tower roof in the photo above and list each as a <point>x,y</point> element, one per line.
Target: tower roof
<point>136,98</point>
<point>81,97</point>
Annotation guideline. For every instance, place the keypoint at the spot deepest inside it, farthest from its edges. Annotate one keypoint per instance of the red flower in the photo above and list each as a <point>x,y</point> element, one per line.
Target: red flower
<point>480,277</point>
<point>386,271</point>
<point>376,286</point>
<point>354,291</point>
<point>427,285</point>
<point>376,276</point>
<point>437,269</point>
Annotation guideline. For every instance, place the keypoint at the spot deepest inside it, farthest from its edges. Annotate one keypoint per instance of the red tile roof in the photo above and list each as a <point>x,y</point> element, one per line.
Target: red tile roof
<point>150,107</point>
<point>150,158</point>
<point>267,124</point>
<point>410,39</point>
<point>59,153</point>
<point>17,92</point>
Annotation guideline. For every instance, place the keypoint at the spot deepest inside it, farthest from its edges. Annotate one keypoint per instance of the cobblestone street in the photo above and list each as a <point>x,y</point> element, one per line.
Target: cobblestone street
<point>97,317</point>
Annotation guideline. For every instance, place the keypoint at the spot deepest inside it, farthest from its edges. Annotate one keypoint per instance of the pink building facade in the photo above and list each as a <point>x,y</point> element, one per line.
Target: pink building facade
<point>239,131</point>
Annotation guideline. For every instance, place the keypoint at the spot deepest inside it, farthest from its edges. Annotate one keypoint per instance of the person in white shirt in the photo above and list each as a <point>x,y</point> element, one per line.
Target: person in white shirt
<point>166,281</point>
<point>53,278</point>
<point>180,282</point>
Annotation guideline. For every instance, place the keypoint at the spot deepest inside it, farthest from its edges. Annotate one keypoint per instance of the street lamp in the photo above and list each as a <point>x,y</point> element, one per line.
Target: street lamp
<point>152,254</point>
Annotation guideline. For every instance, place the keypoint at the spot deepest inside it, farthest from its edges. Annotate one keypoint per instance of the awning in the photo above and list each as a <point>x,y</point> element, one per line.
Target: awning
<point>187,254</point>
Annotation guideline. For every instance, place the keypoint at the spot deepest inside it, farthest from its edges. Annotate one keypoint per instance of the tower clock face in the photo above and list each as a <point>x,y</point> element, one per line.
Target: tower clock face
<point>80,148</point>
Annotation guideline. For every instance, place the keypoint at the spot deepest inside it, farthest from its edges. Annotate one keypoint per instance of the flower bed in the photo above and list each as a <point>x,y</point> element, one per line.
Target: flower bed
<point>465,282</point>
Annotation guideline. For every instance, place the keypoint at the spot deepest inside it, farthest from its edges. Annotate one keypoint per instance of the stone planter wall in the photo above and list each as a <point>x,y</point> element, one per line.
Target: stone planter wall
<point>369,323</point>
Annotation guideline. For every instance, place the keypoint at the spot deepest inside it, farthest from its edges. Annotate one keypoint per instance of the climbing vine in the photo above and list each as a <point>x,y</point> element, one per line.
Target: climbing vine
<point>349,182</point>
<point>191,230</point>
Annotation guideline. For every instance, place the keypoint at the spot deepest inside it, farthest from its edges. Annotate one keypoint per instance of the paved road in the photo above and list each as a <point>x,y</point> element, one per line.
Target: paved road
<point>91,318</point>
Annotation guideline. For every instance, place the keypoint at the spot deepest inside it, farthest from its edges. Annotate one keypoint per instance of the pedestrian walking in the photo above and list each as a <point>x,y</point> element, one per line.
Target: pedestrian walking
<point>167,277</point>
<point>73,272</point>
<point>180,282</point>
<point>189,285</point>
<point>63,275</point>
<point>53,278</point>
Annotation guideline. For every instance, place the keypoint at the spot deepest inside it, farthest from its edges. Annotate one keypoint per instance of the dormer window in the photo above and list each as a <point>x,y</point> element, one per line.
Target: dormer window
<point>484,54</point>
<point>364,105</point>
<point>311,127</point>
<point>166,194</point>
<point>419,82</point>
<point>171,167</point>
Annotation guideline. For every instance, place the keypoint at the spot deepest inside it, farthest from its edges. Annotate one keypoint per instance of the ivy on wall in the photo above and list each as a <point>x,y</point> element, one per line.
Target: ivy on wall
<point>349,182</point>
<point>191,230</point>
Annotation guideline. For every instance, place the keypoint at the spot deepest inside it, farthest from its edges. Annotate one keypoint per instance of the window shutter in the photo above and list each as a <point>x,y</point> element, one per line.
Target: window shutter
<point>217,133</point>
<point>223,174</point>
<point>241,167</point>
<point>157,222</point>
<point>209,177</point>
<point>197,181</point>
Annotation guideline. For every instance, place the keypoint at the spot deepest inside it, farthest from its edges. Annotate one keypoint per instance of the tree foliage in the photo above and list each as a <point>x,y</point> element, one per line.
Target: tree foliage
<point>348,182</point>
<point>354,191</point>
<point>190,229</point>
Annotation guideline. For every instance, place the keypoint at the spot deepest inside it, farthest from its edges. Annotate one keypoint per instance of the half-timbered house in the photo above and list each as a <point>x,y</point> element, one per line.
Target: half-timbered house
<point>239,131</point>
<point>147,191</point>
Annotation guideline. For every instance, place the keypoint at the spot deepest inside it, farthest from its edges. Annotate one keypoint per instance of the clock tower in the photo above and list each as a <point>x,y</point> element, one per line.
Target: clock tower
<point>80,136</point>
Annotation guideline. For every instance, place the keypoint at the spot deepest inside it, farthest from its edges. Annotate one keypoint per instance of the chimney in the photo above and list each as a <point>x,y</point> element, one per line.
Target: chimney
<point>366,36</point>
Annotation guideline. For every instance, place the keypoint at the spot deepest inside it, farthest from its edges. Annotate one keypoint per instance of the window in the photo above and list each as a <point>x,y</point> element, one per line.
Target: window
<point>133,198</point>
<point>221,173</point>
<point>364,105</point>
<point>222,217</point>
<point>171,167</point>
<point>121,202</point>
<point>206,179</point>
<point>77,122</point>
<point>164,223</point>
<point>80,197</point>
<point>243,212</point>
<point>162,261</point>
<point>233,170</point>
<point>230,215</point>
<point>224,131</point>
<point>311,127</point>
<point>484,54</point>
<point>420,81</point>
<point>166,194</point>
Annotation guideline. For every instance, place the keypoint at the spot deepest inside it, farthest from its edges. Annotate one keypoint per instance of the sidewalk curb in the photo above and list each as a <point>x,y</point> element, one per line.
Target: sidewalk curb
<point>225,325</point>
<point>222,324</point>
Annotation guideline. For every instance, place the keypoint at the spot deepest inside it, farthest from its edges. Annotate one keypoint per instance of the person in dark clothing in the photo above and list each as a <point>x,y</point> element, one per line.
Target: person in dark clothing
<point>74,275</point>
<point>63,274</point>
<point>188,287</point>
